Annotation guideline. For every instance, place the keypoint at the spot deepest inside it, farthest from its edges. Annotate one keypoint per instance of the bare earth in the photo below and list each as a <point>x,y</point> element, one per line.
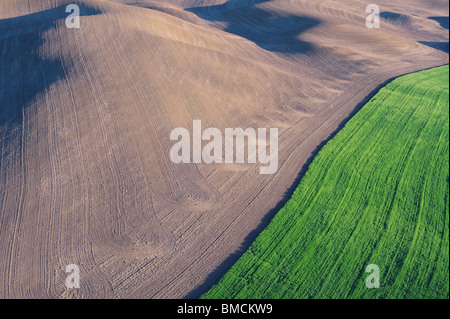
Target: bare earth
<point>86,115</point>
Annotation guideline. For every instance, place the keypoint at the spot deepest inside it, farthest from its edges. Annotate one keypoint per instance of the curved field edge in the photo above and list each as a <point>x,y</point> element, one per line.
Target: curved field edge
<point>377,193</point>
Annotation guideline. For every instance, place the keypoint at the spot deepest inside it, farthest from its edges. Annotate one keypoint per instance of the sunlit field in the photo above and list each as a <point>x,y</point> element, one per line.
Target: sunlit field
<point>377,193</point>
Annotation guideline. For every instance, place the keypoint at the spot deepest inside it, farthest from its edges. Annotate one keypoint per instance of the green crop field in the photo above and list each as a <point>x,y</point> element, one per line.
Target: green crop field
<point>377,193</point>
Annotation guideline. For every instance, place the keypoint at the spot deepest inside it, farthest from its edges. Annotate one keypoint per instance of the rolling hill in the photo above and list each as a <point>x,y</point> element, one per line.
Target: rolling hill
<point>86,115</point>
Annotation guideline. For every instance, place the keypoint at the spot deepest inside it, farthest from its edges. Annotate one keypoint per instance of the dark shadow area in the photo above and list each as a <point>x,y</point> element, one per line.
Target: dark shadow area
<point>394,18</point>
<point>220,271</point>
<point>271,31</point>
<point>391,15</point>
<point>24,72</point>
<point>443,21</point>
<point>443,46</point>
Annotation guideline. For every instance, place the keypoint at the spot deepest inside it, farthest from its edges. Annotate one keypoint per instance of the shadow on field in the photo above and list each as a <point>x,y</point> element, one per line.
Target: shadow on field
<point>443,46</point>
<point>24,72</point>
<point>443,21</point>
<point>396,19</point>
<point>392,16</point>
<point>269,30</point>
<point>220,271</point>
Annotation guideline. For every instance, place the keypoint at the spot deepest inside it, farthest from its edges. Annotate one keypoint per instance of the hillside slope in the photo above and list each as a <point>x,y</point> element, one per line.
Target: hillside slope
<point>376,194</point>
<point>86,115</point>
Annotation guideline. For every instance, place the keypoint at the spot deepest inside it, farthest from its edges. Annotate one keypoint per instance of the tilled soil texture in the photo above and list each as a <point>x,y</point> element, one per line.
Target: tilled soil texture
<point>86,116</point>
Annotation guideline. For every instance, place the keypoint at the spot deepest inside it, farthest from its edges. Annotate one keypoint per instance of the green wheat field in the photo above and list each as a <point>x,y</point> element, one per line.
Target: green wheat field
<point>377,193</point>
